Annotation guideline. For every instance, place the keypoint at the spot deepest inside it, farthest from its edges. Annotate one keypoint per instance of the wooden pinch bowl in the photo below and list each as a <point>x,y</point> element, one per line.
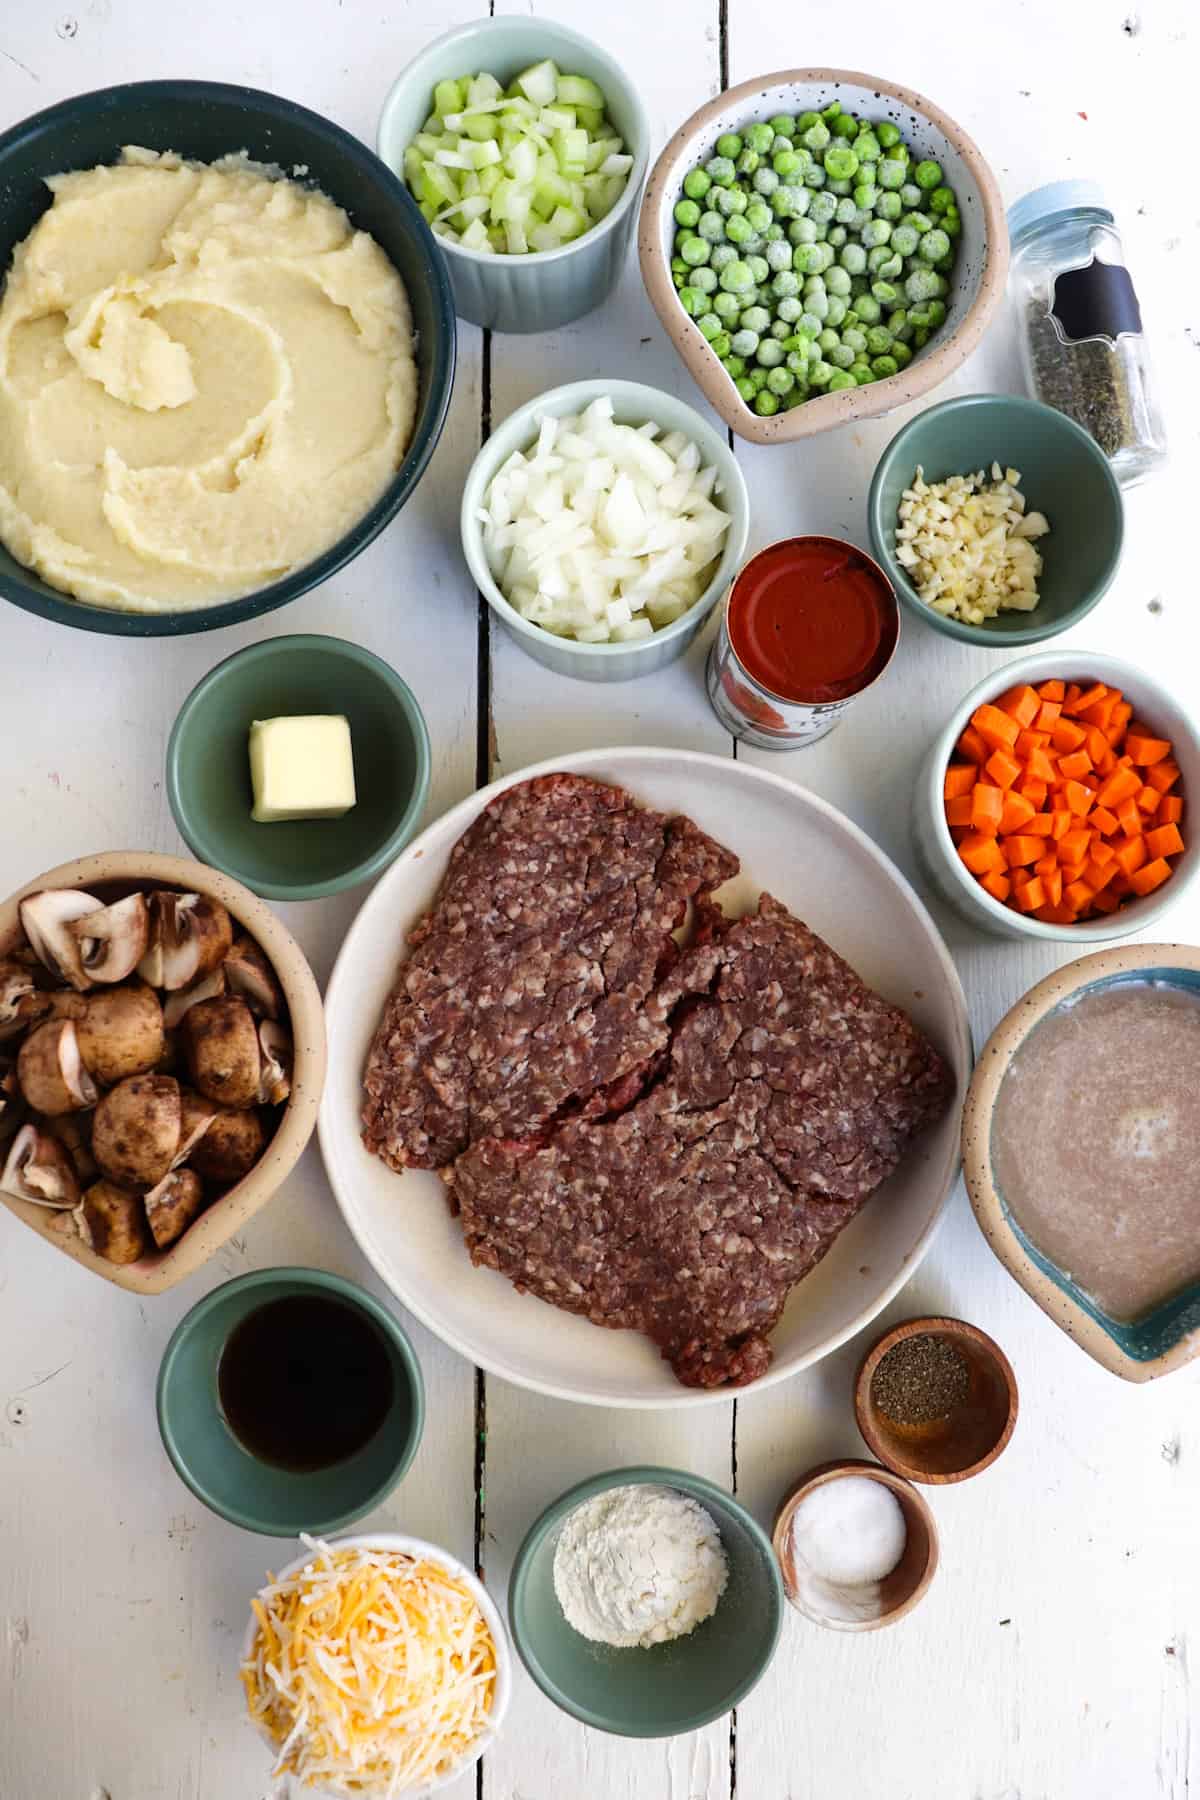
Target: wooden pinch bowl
<point>898,1592</point>
<point>971,1436</point>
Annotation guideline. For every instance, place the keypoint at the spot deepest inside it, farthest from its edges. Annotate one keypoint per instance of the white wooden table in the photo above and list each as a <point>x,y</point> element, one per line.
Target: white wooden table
<point>1055,1657</point>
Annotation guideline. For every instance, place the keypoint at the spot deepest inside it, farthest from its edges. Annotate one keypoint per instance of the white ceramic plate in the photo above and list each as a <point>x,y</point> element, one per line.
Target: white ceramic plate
<point>832,876</point>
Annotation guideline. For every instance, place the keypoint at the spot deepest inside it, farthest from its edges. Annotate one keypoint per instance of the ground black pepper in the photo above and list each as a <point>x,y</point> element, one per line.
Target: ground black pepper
<point>1087,381</point>
<point>920,1379</point>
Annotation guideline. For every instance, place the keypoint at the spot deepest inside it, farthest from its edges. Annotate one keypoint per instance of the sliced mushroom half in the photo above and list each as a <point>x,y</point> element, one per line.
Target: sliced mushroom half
<point>173,1204</point>
<point>209,987</point>
<point>45,918</point>
<point>195,1116</point>
<point>275,1066</point>
<point>51,1071</point>
<point>113,1222</point>
<point>20,1002</point>
<point>38,1169</point>
<point>252,978</point>
<point>137,1128</point>
<point>112,942</point>
<point>189,935</point>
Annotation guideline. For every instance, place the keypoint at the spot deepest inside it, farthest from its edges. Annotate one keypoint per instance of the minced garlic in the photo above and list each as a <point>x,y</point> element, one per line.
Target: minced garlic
<point>965,543</point>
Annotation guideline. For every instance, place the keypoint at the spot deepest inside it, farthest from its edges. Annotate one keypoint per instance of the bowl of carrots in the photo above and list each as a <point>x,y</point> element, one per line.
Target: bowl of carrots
<point>1055,803</point>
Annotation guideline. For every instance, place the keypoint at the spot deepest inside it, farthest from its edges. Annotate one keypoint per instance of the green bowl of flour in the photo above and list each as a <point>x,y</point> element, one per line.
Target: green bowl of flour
<point>667,1688</point>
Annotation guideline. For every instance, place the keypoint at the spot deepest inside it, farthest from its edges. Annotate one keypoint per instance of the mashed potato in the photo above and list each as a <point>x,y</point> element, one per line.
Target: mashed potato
<point>206,377</point>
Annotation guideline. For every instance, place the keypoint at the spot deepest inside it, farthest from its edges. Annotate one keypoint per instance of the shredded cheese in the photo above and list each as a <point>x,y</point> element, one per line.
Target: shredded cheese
<point>965,543</point>
<point>372,1672</point>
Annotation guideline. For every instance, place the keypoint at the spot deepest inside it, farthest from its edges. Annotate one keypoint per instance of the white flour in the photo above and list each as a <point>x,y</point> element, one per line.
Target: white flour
<point>638,1566</point>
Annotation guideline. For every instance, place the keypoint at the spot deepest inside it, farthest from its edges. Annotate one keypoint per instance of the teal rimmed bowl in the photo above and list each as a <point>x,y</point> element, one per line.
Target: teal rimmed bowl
<point>1064,474</point>
<point>1166,1337</point>
<point>669,1688</point>
<point>220,1471</point>
<point>205,120</point>
<point>208,766</point>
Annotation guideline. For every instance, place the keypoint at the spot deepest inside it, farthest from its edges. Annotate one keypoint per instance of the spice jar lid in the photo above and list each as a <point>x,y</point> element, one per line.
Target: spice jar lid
<point>1056,197</point>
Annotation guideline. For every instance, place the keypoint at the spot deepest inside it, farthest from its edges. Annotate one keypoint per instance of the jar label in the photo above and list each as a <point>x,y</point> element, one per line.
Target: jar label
<point>1097,301</point>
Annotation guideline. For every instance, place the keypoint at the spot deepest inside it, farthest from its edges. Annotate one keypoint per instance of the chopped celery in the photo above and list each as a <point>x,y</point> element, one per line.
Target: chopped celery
<point>540,83</point>
<point>577,90</point>
<point>448,97</point>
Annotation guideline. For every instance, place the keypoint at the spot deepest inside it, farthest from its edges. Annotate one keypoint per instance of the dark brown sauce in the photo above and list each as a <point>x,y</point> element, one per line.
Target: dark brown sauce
<point>305,1382</point>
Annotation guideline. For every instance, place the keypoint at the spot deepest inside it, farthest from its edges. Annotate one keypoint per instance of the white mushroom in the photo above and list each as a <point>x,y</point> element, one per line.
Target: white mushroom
<point>275,1066</point>
<point>113,1222</point>
<point>74,1132</point>
<point>45,918</point>
<point>251,976</point>
<point>209,987</point>
<point>137,1129</point>
<point>51,1070</point>
<point>220,1043</point>
<point>121,1032</point>
<point>112,941</point>
<point>189,935</point>
<point>20,1001</point>
<point>195,1116</point>
<point>230,1147</point>
<point>39,1169</point>
<point>173,1204</point>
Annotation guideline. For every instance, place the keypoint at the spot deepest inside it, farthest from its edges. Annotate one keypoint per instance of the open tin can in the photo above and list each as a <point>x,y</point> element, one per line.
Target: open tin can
<point>807,626</point>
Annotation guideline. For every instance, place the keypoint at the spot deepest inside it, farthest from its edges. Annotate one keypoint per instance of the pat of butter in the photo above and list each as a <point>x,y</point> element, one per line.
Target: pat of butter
<point>301,768</point>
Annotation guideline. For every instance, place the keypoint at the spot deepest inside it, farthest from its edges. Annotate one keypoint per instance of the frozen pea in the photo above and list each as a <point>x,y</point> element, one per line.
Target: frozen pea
<point>691,300</point>
<point>856,338</point>
<point>856,224</point>
<point>827,341</point>
<point>737,230</point>
<point>928,174</point>
<point>885,292</point>
<point>774,234</point>
<point>780,125</point>
<point>892,269</point>
<point>889,206</point>
<point>862,373</point>
<point>695,250</point>
<point>760,137</point>
<point>836,237</point>
<point>726,306</point>
<point>780,329</point>
<point>841,356</point>
<point>727,201</point>
<point>797,362</point>
<point>757,377</point>
<point>889,173</point>
<point>745,342</point>
<point>920,222</point>
<point>806,119</point>
<point>911,195</point>
<point>720,170</point>
<point>937,312</point>
<point>734,365</point>
<point>802,231</point>
<point>817,304</point>
<point>920,338</point>
<point>876,232</point>
<point>806,259</point>
<point>934,245</point>
<point>941,200</point>
<point>844,190</point>
<point>821,373</point>
<point>887,133</point>
<point>678,266</point>
<point>865,195</point>
<point>942,289</point>
<point>901,354</point>
<point>709,326</point>
<point>918,317</point>
<point>877,257</point>
<point>745,388</point>
<point>868,309</point>
<point>687,213</point>
<point>809,323</point>
<point>814,176</point>
<point>764,180</point>
<point>729,144</point>
<point>711,226</point>
<point>847,210</point>
<point>867,148</point>
<point>787,163</point>
<point>786,285</point>
<point>841,378</point>
<point>759,267</point>
<point>747,162</point>
<point>754,318</point>
<point>770,353</point>
<point>905,240</point>
<point>722,256</point>
<point>780,381</point>
<point>789,201</point>
<point>841,163</point>
<point>837,310</point>
<point>821,208</point>
<point>920,285</point>
<point>844,125</point>
<point>884,366</point>
<point>853,258</point>
<point>789,309</point>
<point>704,279</point>
<point>696,184</point>
<point>765,403</point>
<point>816,138</point>
<point>897,323</point>
<point>879,340</point>
<point>837,281</point>
<point>736,277</point>
<point>779,256</point>
<point>758,215</point>
<point>721,343</point>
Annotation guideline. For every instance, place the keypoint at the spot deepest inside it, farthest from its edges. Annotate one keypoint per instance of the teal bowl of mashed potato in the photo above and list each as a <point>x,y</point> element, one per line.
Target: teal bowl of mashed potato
<point>226,355</point>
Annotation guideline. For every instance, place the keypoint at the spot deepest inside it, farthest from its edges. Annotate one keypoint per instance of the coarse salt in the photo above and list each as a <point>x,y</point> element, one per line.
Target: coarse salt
<point>844,1539</point>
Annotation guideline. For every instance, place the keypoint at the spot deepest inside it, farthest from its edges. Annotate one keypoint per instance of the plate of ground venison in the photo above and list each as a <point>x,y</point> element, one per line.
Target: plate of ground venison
<point>646,1069</point>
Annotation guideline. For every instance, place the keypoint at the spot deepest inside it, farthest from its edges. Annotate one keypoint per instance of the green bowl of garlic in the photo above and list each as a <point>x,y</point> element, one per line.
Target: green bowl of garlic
<point>1061,473</point>
<point>646,1602</point>
<point>654,518</point>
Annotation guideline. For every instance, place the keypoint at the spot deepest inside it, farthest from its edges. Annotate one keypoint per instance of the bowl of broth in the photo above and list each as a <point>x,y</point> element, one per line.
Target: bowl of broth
<point>290,1400</point>
<point>1081,1140</point>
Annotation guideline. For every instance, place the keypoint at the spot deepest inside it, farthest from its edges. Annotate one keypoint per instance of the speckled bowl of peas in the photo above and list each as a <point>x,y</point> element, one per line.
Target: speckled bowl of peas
<point>821,246</point>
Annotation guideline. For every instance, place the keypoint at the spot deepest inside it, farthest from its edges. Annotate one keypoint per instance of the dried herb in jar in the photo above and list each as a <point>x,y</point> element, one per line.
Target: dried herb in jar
<point>920,1379</point>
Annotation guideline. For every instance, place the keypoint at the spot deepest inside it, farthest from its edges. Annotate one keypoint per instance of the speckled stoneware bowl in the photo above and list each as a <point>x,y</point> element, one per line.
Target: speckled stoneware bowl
<point>979,272</point>
<point>1154,704</point>
<point>116,872</point>
<point>633,404</point>
<point>1169,1336</point>
<point>547,288</point>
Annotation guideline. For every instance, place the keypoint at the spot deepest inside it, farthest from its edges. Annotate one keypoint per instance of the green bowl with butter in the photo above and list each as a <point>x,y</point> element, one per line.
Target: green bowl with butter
<point>208,766</point>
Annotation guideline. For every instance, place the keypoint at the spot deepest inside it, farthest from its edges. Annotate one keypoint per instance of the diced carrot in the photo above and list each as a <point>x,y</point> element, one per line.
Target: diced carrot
<point>1052,690</point>
<point>1017,813</point>
<point>1072,871</point>
<point>997,885</point>
<point>1034,791</point>
<point>1066,735</point>
<point>1130,853</point>
<point>1020,703</point>
<point>1106,901</point>
<point>958,810</point>
<point>1053,884</point>
<point>1031,896</point>
<point>1147,750</point>
<point>1163,775</point>
<point>1040,766</point>
<point>1075,764</point>
<point>1079,895</point>
<point>1101,820</point>
<point>1122,713</point>
<point>959,832</point>
<point>1046,865</point>
<point>1119,885</point>
<point>959,778</point>
<point>1101,852</point>
<point>1119,786</point>
<point>1150,876</point>
<point>1002,768</point>
<point>1074,846</point>
<point>1084,698</point>
<point>972,746</point>
<point>1164,840</point>
<point>1056,915</point>
<point>1077,798</point>
<point>1021,878</point>
<point>1072,694</point>
<point>1019,849</point>
<point>1147,803</point>
<point>1096,744</point>
<point>1098,877</point>
<point>1100,712</point>
<point>987,804</point>
<point>995,727</point>
<point>1129,818</point>
<point>1041,825</point>
<point>1063,821</point>
<point>981,853</point>
<point>1049,713</point>
<point>1028,741</point>
<point>1170,809</point>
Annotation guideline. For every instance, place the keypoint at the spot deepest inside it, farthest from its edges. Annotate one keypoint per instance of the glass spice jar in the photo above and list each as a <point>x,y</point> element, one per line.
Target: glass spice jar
<point>1081,334</point>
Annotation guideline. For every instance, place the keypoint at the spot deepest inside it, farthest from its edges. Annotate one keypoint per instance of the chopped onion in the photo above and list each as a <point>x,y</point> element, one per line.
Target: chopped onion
<point>600,531</point>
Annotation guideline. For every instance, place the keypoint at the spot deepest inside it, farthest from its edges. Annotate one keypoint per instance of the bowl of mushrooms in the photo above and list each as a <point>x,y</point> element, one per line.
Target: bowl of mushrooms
<point>162,1053</point>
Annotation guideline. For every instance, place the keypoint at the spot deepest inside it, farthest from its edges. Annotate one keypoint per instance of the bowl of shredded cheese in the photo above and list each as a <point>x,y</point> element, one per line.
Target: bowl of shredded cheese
<point>375,1666</point>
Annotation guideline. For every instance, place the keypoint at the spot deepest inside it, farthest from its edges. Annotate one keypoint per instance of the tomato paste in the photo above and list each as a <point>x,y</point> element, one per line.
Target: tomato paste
<point>812,619</point>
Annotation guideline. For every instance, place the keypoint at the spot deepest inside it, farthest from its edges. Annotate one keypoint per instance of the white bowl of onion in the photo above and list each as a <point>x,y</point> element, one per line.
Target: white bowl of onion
<point>603,544</point>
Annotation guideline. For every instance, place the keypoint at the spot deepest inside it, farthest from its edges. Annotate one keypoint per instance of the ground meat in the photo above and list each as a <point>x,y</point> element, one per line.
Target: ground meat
<point>788,1093</point>
<point>529,987</point>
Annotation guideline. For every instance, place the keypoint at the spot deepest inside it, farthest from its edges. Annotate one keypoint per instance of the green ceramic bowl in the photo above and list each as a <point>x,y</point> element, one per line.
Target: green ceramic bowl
<point>208,766</point>
<point>671,1688</point>
<point>1064,474</point>
<point>206,120</point>
<point>238,1486</point>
